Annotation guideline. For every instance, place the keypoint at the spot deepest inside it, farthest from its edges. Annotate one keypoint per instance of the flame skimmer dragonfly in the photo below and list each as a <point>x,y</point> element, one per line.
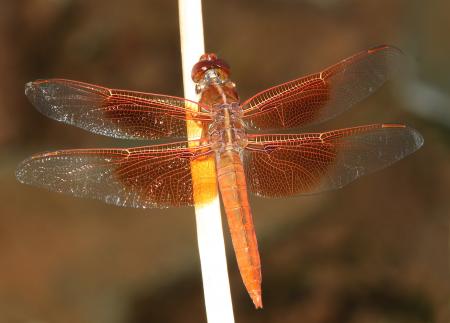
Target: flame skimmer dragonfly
<point>268,165</point>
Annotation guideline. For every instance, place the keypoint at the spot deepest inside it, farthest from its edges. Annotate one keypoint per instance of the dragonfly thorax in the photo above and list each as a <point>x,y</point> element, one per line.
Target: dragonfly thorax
<point>211,76</point>
<point>227,131</point>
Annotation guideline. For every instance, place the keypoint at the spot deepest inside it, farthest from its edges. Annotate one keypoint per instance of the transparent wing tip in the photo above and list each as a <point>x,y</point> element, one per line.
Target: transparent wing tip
<point>33,92</point>
<point>28,171</point>
<point>413,137</point>
<point>30,89</point>
<point>418,138</point>
<point>41,94</point>
<point>22,171</point>
<point>391,48</point>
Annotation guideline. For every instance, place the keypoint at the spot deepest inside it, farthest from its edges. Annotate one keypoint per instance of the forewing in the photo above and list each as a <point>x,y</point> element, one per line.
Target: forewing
<point>284,165</point>
<point>321,96</point>
<point>144,177</point>
<point>115,113</point>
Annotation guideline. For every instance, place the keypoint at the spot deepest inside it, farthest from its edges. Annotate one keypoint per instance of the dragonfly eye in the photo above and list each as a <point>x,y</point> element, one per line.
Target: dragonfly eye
<point>207,62</point>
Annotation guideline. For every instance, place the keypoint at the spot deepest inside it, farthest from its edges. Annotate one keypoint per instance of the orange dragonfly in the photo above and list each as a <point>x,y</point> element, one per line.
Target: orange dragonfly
<point>268,165</point>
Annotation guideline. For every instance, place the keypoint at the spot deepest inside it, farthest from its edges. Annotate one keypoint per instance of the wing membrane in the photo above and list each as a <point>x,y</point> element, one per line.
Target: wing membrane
<point>283,165</point>
<point>115,113</point>
<point>143,177</point>
<point>321,96</point>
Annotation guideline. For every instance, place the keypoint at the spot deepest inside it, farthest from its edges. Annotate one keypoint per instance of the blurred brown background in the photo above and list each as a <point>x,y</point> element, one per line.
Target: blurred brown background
<point>375,251</point>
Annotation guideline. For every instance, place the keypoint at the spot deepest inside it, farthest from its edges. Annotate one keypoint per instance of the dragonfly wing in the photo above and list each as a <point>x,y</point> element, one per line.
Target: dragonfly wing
<point>143,177</point>
<point>115,113</point>
<point>284,165</point>
<point>321,96</point>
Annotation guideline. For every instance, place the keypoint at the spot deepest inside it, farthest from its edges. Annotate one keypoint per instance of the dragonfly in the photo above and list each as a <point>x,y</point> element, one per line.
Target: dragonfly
<point>268,165</point>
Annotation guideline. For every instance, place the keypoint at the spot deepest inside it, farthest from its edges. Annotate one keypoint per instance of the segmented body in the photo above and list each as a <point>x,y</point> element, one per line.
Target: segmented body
<point>228,138</point>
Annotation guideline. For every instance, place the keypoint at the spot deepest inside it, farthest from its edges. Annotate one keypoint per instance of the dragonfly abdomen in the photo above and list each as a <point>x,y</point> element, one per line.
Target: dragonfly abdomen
<point>233,189</point>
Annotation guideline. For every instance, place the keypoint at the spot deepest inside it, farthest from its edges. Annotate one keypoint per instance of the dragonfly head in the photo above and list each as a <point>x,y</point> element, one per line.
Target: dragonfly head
<point>212,68</point>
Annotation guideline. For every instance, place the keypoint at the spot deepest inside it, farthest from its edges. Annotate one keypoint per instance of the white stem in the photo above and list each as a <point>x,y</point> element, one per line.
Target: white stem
<point>211,245</point>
